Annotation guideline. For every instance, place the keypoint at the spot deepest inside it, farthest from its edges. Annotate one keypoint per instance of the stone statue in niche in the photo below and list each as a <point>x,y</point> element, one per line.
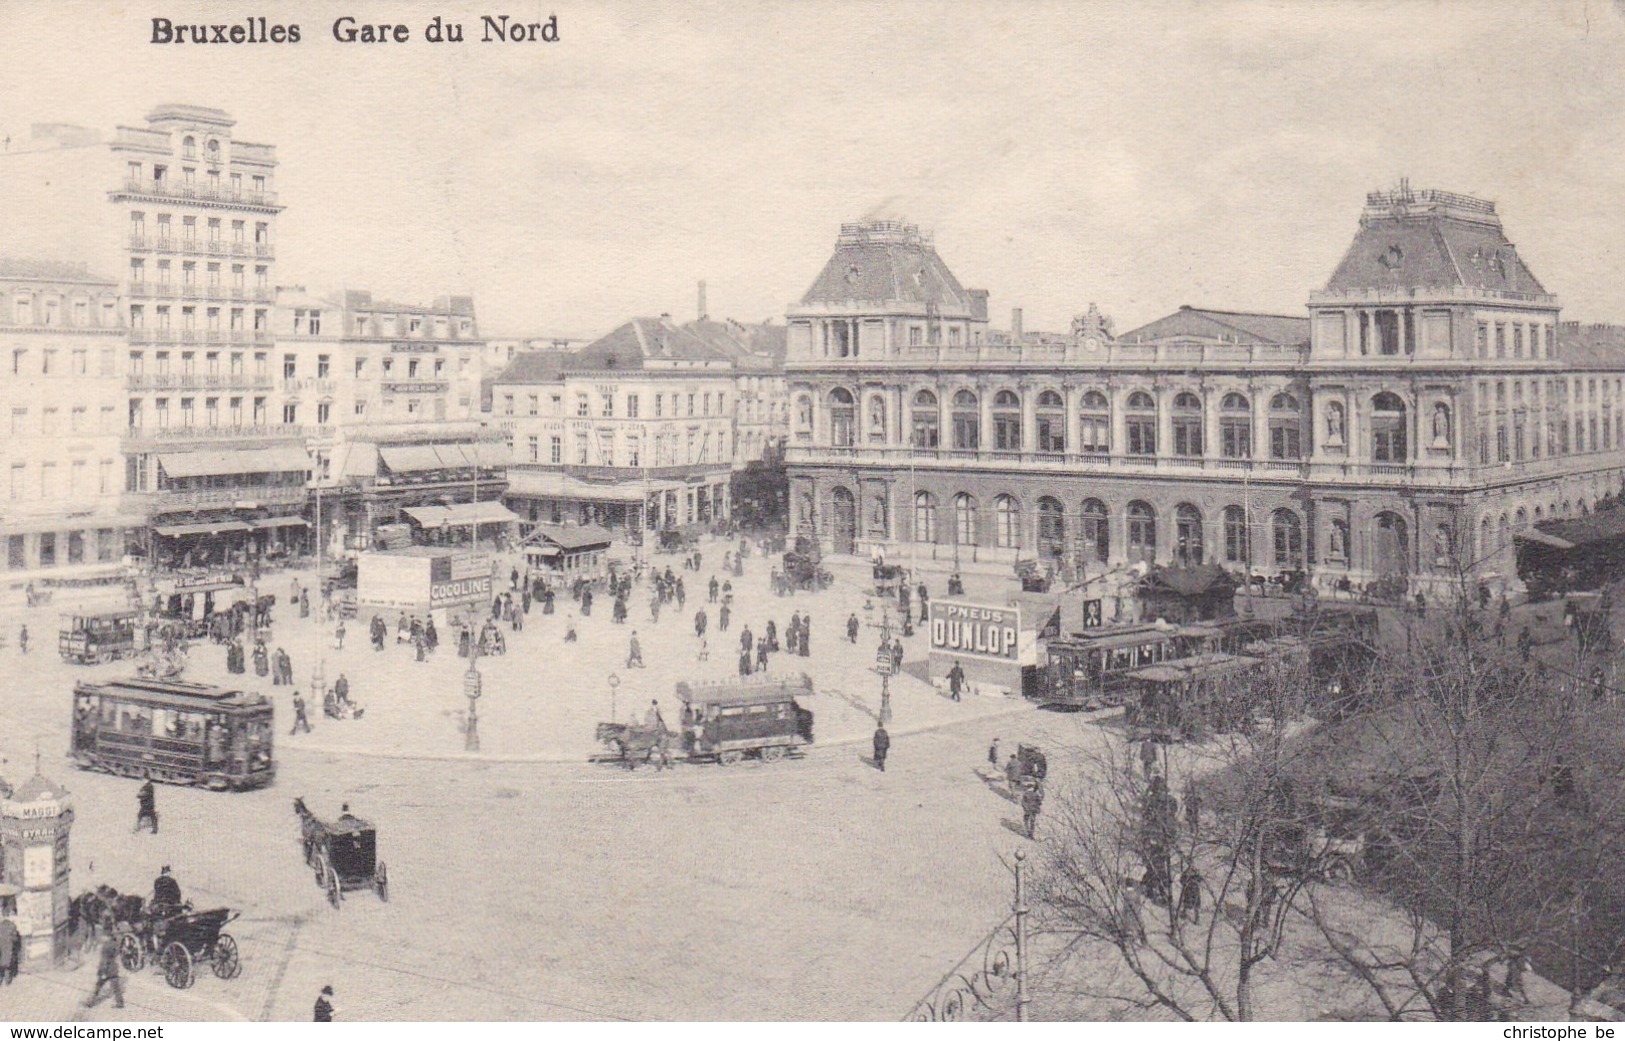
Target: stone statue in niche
<point>1441,543</point>
<point>1441,425</point>
<point>1337,547</point>
<point>1334,422</point>
<point>877,414</point>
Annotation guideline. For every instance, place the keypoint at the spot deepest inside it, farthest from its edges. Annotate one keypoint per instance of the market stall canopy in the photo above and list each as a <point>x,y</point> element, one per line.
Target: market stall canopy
<point>213,528</point>
<point>462,513</point>
<point>404,458</point>
<point>216,462</point>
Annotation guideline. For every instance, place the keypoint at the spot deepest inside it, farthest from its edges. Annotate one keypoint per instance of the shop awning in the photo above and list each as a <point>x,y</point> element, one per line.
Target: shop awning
<point>405,458</point>
<point>214,528</point>
<point>427,516</point>
<point>216,461</point>
<point>481,513</point>
<point>453,457</point>
<point>279,522</point>
<point>489,454</point>
<point>573,537</point>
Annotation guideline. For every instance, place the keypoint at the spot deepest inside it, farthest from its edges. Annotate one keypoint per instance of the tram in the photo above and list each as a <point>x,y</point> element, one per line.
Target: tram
<point>174,731</point>
<point>1090,669</point>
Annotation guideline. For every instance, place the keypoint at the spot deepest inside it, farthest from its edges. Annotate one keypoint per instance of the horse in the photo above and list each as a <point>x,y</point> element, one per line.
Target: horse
<point>632,742</point>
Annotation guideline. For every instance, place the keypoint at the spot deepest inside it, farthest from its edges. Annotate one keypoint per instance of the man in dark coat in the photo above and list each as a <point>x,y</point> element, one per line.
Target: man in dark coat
<point>699,622</point>
<point>925,601</point>
<point>803,641</point>
<point>11,942</point>
<point>107,974</point>
<point>1032,800</point>
<point>882,747</point>
<point>166,892</point>
<point>146,806</point>
<point>324,1007</point>
<point>714,587</point>
<point>956,682</point>
<point>722,618</point>
<point>746,642</point>
<point>300,720</point>
<point>852,628</point>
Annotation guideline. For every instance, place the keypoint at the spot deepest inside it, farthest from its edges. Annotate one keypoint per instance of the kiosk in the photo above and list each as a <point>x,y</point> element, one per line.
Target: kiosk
<point>35,821</point>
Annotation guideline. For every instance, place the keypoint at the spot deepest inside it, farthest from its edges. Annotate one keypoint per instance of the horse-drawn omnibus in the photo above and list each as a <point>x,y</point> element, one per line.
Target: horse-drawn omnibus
<point>101,637</point>
<point>1090,669</point>
<point>170,730</point>
<point>723,721</point>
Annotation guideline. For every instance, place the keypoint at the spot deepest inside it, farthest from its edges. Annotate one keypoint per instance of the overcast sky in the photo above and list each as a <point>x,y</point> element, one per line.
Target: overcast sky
<point>1138,155</point>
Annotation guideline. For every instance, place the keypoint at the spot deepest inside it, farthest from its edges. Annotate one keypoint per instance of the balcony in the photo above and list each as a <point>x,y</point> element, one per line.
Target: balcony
<point>214,498</point>
<point>196,381</point>
<point>1106,356</point>
<point>262,250</point>
<point>240,249</point>
<point>309,385</point>
<point>167,189</point>
<point>1042,462</point>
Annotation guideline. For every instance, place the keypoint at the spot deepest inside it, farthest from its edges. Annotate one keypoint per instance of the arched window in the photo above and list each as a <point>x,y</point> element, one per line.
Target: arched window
<point>1140,424</point>
<point>1006,422</point>
<point>1051,423</point>
<point>1051,528</point>
<point>925,421</point>
<point>1235,427</point>
<point>843,418</point>
<point>1142,532</point>
<point>1388,429</point>
<point>1521,520</point>
<point>1187,420</point>
<point>967,420</point>
<point>1286,427</point>
<point>1097,423</point>
<point>1287,532</point>
<point>1235,536</point>
<point>1097,542</point>
<point>965,519</point>
<point>877,419</point>
<point>925,517</point>
<point>1486,536</point>
<point>1187,534</point>
<point>188,146</point>
<point>1007,522</point>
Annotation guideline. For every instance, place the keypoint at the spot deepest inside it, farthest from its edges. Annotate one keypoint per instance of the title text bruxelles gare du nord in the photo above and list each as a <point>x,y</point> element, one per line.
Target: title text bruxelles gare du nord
<point>347,29</point>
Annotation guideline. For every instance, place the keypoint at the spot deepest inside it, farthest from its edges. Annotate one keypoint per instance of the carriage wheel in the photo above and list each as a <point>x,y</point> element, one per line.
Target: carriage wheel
<point>772,753</point>
<point>226,965</point>
<point>1339,870</point>
<point>319,866</point>
<point>177,963</point>
<point>333,894</point>
<point>130,954</point>
<point>104,657</point>
<point>380,882</point>
<point>730,757</point>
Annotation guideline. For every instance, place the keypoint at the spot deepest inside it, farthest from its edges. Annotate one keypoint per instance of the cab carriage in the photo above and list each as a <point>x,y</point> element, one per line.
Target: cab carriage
<point>1090,669</point>
<point>342,853</point>
<point>101,637</point>
<point>174,731</point>
<point>735,718</point>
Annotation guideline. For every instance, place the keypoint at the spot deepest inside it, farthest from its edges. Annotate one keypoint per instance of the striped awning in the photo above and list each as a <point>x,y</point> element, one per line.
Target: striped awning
<point>216,461</point>
<point>406,458</point>
<point>214,528</point>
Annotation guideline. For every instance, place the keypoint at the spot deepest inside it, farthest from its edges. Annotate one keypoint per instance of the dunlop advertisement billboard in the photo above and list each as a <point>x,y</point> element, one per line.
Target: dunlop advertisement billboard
<point>975,630</point>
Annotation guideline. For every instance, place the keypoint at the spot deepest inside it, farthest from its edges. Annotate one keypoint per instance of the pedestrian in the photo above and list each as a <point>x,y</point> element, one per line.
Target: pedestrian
<point>1012,775</point>
<point>107,972</point>
<point>341,688</point>
<point>431,638</point>
<point>1032,800</point>
<point>300,720</point>
<point>804,641</point>
<point>1190,895</point>
<point>586,603</point>
<point>744,663</point>
<point>896,655</point>
<point>513,579</point>
<point>1193,810</point>
<point>1148,757</point>
<point>722,618</point>
<point>1517,966</point>
<point>634,653</point>
<point>746,641</point>
<point>324,1007</point>
<point>11,942</point>
<point>882,747</point>
<point>925,601</point>
<point>654,608</point>
<point>956,687</point>
<point>993,754</point>
<point>682,597</point>
<point>618,613</point>
<point>772,636</point>
<point>705,651</point>
<point>852,628</point>
<point>713,589</point>
<point>22,639</point>
<point>761,654</point>
<point>652,718</point>
<point>1133,911</point>
<point>338,636</point>
<point>570,629</point>
<point>699,623</point>
<point>304,603</point>
<point>146,806</point>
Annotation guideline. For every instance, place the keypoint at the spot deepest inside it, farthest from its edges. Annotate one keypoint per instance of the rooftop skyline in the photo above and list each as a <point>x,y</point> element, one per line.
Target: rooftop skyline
<point>1142,156</point>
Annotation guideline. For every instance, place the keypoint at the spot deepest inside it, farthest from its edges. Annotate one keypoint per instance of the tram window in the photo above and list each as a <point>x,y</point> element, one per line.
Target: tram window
<point>109,714</point>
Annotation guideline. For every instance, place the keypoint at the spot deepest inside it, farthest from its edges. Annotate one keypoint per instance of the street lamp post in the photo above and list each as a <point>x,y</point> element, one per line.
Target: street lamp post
<point>614,683</point>
<point>472,683</point>
<point>883,664</point>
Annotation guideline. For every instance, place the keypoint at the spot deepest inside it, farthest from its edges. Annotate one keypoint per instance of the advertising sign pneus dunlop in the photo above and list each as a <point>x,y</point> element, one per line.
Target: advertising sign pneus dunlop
<point>462,579</point>
<point>975,630</point>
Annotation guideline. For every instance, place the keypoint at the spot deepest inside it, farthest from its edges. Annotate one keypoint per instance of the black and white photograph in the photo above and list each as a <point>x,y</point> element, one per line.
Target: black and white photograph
<point>774,512</point>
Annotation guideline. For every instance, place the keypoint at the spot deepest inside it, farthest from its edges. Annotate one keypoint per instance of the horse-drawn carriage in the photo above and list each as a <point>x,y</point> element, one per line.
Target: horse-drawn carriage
<point>803,569</point>
<point>1326,840</point>
<point>343,854</point>
<point>101,637</point>
<point>889,578</point>
<point>171,939</point>
<point>724,721</point>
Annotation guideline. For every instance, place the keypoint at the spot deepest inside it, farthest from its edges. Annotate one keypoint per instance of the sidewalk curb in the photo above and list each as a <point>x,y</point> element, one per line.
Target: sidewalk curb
<point>550,759</point>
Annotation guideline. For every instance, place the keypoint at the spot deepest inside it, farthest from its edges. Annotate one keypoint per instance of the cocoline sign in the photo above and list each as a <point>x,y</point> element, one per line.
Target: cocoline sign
<point>975,630</point>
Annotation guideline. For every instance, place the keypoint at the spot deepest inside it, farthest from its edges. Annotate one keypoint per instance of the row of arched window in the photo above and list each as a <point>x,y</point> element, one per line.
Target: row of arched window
<point>1090,529</point>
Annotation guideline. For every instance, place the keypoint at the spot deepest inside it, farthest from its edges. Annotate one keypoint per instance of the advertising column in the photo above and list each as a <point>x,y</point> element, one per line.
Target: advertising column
<point>34,826</point>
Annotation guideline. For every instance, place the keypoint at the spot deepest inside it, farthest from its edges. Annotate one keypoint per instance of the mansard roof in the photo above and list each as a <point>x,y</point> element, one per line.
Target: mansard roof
<point>887,261</point>
<point>1431,240</point>
<point>630,345</point>
<point>1200,323</point>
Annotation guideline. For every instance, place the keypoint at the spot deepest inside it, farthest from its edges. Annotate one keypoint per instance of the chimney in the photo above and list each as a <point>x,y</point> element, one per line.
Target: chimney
<point>703,314</point>
<point>1015,323</point>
